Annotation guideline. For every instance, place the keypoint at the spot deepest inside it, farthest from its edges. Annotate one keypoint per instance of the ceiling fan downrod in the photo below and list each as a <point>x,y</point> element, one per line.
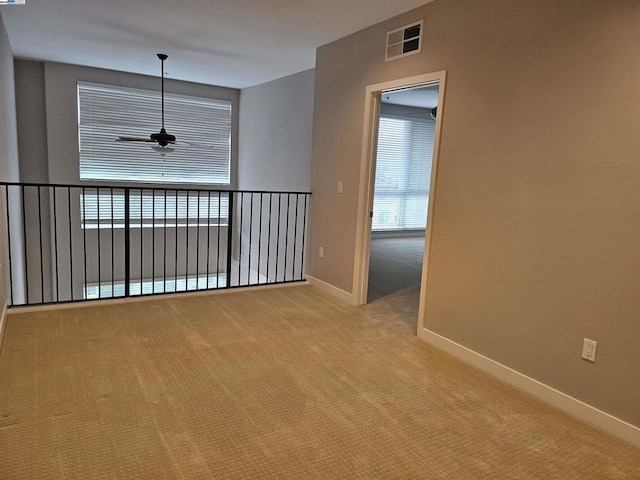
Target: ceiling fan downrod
<point>162,58</point>
<point>163,138</point>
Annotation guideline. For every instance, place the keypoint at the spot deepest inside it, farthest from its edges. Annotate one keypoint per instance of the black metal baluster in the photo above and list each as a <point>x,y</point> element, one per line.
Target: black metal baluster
<point>295,239</point>
<point>175,280</point>
<point>286,239</point>
<point>55,242</point>
<point>208,234</point>
<point>153,241</point>
<point>278,235</point>
<point>269,235</point>
<point>84,236</point>
<point>24,239</point>
<point>186,249</point>
<point>240,239</point>
<point>259,239</point>
<point>198,245</point>
<point>164,244</point>
<point>141,236</point>
<point>41,245</point>
<point>99,248</point>
<point>250,238</point>
<point>229,239</point>
<point>113,274</point>
<point>70,242</point>
<point>127,242</point>
<point>218,244</point>
<point>304,236</point>
<point>6,193</point>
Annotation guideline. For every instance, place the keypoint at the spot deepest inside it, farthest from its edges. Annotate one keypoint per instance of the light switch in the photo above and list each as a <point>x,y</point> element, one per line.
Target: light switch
<point>340,186</point>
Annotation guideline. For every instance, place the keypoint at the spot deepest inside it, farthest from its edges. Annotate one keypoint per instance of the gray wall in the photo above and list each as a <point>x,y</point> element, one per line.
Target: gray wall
<point>275,129</point>
<point>535,228</point>
<point>32,121</point>
<point>276,122</point>
<point>9,166</point>
<point>9,169</point>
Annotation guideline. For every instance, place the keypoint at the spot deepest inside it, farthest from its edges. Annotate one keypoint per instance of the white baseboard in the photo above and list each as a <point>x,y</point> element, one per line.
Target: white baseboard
<point>331,290</point>
<point>397,234</point>
<point>3,322</point>
<point>577,409</point>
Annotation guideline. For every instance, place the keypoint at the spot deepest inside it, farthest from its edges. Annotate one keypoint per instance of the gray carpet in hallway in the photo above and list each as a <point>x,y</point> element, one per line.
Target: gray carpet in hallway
<point>395,269</point>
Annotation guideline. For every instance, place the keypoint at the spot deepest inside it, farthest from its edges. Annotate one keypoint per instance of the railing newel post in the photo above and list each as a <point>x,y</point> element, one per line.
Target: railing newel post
<point>229,238</point>
<point>127,242</point>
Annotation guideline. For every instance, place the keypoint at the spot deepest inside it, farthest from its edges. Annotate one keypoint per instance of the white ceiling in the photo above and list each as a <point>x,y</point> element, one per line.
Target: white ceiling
<point>424,97</point>
<point>234,43</point>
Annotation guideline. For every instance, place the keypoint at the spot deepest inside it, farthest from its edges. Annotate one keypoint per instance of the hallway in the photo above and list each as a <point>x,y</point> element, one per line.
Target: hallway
<point>395,269</point>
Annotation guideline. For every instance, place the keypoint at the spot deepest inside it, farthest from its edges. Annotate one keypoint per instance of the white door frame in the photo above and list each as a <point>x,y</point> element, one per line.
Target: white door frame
<point>367,179</point>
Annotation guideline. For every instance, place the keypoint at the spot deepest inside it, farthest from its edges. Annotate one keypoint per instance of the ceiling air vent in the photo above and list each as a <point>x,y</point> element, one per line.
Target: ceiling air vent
<point>404,41</point>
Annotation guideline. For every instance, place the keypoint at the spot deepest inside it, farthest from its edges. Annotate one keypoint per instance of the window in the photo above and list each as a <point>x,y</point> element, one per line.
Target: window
<point>107,112</point>
<point>105,208</point>
<point>403,173</point>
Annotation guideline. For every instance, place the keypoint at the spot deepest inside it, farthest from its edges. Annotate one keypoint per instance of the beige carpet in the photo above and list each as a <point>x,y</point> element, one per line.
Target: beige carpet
<point>269,384</point>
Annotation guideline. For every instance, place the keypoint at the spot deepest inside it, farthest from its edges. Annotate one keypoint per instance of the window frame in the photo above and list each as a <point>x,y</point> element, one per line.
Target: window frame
<point>227,97</point>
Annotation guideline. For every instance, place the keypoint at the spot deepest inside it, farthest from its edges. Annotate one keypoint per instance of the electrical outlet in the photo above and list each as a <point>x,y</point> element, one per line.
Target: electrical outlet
<point>589,350</point>
<point>321,252</point>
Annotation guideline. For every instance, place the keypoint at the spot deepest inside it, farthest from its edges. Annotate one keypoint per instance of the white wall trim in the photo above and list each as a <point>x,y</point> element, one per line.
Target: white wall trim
<point>367,175</point>
<point>331,290</point>
<point>574,407</point>
<point>3,322</point>
<point>397,233</point>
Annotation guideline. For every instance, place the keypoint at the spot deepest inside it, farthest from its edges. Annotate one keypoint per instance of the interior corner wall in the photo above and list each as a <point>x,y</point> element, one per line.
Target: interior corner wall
<point>9,169</point>
<point>9,166</point>
<point>535,226</point>
<point>31,119</point>
<point>276,120</point>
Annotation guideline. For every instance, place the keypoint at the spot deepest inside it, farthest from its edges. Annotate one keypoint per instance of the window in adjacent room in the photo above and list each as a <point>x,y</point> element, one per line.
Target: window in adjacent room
<point>403,172</point>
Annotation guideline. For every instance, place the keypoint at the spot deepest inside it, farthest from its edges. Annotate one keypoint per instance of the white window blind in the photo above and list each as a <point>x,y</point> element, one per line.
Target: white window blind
<point>403,173</point>
<point>147,209</point>
<point>107,112</point>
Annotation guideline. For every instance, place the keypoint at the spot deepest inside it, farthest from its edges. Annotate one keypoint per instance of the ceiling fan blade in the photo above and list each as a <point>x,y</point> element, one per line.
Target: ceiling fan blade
<point>163,150</point>
<point>134,139</point>
<point>194,145</point>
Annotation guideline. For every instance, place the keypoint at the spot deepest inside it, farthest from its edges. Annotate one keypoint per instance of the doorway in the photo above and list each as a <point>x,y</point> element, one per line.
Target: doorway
<point>403,161</point>
<point>396,205</point>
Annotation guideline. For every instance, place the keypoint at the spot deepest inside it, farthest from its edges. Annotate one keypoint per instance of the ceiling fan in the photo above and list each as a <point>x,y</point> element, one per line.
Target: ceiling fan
<point>163,139</point>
